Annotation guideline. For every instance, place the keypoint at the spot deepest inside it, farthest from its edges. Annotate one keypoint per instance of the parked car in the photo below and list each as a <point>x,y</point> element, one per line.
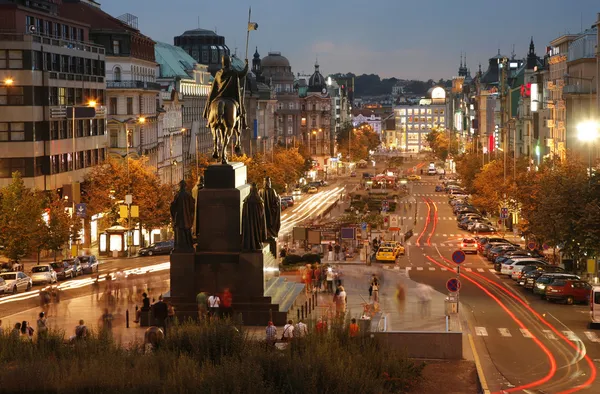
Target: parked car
<point>468,245</point>
<point>483,228</point>
<point>569,291</point>
<point>312,190</point>
<point>398,249</point>
<point>519,265</point>
<point>547,280</point>
<point>297,191</point>
<point>76,265</point>
<point>594,306</point>
<point>89,264</point>
<point>516,263</point>
<point>495,251</point>
<point>532,276</point>
<point>63,270</point>
<point>43,274</point>
<point>163,247</point>
<point>288,199</point>
<point>16,281</point>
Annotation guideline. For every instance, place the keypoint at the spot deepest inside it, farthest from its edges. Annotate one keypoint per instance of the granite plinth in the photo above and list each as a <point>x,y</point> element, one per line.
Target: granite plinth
<point>225,176</point>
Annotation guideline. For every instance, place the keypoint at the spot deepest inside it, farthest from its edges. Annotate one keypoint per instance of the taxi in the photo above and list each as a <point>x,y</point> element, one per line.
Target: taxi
<point>414,177</point>
<point>385,254</point>
<point>398,249</point>
<point>312,190</point>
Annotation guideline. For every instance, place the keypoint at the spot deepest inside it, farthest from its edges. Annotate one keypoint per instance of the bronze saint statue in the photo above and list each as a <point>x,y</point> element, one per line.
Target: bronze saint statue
<point>225,109</point>
<point>254,227</point>
<point>272,204</point>
<point>199,186</point>
<point>182,215</point>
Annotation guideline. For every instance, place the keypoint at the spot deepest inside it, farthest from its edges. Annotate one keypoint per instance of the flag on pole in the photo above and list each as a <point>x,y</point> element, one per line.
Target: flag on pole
<point>252,26</point>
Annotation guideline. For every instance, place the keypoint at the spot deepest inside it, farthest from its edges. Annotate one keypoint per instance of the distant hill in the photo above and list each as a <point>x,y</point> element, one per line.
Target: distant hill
<point>373,85</point>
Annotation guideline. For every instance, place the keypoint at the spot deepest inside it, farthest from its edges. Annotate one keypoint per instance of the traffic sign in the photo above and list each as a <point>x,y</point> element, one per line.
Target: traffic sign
<point>458,256</point>
<point>503,213</point>
<point>363,226</point>
<point>545,246</point>
<point>453,285</point>
<point>81,210</point>
<point>531,245</point>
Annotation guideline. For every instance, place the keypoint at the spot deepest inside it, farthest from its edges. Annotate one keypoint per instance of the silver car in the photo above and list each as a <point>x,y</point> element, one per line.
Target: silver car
<point>16,281</point>
<point>43,273</point>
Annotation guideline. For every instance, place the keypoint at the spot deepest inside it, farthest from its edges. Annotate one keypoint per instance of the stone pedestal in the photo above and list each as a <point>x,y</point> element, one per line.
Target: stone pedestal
<point>218,261</point>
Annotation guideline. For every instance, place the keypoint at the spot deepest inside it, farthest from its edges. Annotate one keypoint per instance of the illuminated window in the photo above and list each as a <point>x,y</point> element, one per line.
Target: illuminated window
<point>402,111</point>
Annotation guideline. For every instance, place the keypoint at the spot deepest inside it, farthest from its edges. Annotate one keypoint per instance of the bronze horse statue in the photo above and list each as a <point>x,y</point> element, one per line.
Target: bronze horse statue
<point>224,122</point>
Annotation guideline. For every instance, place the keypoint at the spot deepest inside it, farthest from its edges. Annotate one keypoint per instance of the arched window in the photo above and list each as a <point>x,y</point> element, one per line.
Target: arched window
<point>117,74</point>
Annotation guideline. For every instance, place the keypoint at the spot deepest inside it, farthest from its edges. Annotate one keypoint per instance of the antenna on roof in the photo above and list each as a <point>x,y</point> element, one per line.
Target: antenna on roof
<point>198,21</point>
<point>513,52</point>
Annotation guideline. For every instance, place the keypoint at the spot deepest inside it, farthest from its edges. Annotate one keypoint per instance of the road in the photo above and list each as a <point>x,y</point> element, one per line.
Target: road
<point>525,344</point>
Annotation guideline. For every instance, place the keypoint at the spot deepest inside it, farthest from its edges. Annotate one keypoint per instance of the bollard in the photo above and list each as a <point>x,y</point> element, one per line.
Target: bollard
<point>298,310</point>
<point>306,308</point>
<point>310,305</point>
<point>302,309</point>
<point>127,318</point>
<point>316,300</point>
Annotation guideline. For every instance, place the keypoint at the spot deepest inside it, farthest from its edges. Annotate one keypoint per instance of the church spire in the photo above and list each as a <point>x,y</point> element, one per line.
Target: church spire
<point>532,58</point>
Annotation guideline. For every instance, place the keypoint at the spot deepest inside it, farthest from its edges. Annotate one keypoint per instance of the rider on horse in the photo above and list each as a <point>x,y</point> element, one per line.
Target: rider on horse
<point>227,85</point>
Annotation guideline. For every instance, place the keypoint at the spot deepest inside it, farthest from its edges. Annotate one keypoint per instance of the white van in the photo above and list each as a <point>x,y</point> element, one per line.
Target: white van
<point>594,306</point>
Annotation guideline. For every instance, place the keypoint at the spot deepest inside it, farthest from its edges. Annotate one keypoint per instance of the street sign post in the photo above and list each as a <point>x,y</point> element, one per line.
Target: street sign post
<point>363,226</point>
<point>81,210</point>
<point>531,245</point>
<point>453,285</point>
<point>504,213</point>
<point>458,256</point>
<point>545,246</point>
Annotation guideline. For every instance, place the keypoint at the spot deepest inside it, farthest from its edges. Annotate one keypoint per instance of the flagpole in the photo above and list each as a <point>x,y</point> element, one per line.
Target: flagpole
<point>246,58</point>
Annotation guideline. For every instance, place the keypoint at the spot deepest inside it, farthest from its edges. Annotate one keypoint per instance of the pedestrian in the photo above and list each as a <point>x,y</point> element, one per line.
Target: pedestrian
<point>375,287</point>
<point>321,326</point>
<point>26,331</point>
<point>288,331</point>
<point>41,326</point>
<point>202,301</point>
<point>301,330</point>
<point>353,329</point>
<point>106,320</point>
<point>330,251</point>
<point>400,297</point>
<point>16,331</point>
<point>337,248</point>
<point>330,277</point>
<point>96,287</point>
<point>226,303</point>
<point>307,277</point>
<point>341,300</point>
<point>1,329</point>
<point>316,277</point>
<point>160,311</point>
<point>145,307</point>
<point>343,253</point>
<point>271,332</point>
<point>282,254</point>
<point>370,290</point>
<point>214,302</point>
<point>424,295</point>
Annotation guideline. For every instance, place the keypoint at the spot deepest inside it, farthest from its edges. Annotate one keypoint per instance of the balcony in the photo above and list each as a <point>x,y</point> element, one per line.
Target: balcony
<point>579,89</point>
<point>53,41</point>
<point>61,112</point>
<point>133,85</point>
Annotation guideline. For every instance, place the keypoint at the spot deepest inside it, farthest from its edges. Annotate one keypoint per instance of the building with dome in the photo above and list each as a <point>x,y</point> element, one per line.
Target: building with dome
<point>415,121</point>
<point>276,72</point>
<point>205,46</point>
<point>315,122</point>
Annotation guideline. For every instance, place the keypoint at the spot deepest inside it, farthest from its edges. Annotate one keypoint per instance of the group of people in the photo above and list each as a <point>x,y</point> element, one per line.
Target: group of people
<point>163,313</point>
<point>214,305</point>
<point>293,331</point>
<point>337,252</point>
<point>321,277</point>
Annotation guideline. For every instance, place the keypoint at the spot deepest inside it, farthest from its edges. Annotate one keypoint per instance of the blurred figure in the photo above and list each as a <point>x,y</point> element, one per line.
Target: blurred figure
<point>45,300</point>
<point>340,302</point>
<point>96,288</point>
<point>16,331</point>
<point>41,326</point>
<point>81,330</point>
<point>424,293</point>
<point>202,301</point>
<point>271,335</point>
<point>353,329</point>
<point>301,330</point>
<point>26,331</point>
<point>226,303</point>
<point>400,297</point>
<point>106,321</point>
<point>321,326</point>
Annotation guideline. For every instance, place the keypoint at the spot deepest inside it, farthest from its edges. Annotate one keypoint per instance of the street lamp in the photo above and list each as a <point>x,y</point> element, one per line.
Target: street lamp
<point>588,132</point>
<point>8,82</point>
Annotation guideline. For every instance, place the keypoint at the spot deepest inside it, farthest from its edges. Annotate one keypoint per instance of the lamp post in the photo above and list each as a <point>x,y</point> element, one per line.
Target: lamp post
<point>588,132</point>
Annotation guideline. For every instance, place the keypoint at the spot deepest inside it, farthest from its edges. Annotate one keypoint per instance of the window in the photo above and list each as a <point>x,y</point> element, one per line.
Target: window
<point>290,130</point>
<point>15,59</point>
<point>290,118</point>
<point>4,133</point>
<point>112,106</point>
<point>11,95</point>
<point>65,31</point>
<point>205,56</point>
<point>114,138</point>
<point>117,74</point>
<point>291,105</point>
<point>8,166</point>
<point>62,96</point>
<point>129,105</point>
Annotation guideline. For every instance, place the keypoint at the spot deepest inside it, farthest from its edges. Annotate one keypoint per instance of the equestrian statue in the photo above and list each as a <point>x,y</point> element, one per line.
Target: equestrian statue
<point>225,110</point>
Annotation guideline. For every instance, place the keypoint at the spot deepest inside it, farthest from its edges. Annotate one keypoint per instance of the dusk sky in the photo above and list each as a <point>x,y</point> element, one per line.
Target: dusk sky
<point>392,38</point>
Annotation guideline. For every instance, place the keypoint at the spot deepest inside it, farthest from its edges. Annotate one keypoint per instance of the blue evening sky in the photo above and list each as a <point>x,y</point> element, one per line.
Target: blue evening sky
<point>406,39</point>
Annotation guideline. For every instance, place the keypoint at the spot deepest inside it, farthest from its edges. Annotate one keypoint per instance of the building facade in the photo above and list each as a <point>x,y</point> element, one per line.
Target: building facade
<point>316,117</point>
<point>48,65</point>
<point>360,116</point>
<point>414,122</point>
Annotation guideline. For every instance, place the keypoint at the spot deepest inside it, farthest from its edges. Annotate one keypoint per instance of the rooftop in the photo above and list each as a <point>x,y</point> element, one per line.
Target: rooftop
<point>174,61</point>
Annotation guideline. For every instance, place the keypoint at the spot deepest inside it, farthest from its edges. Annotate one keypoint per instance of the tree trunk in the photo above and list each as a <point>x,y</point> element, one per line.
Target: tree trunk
<point>39,256</point>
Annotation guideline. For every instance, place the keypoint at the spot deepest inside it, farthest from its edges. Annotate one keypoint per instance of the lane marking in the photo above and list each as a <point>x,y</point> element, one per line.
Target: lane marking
<point>493,271</point>
<point>571,336</point>
<point>504,332</point>
<point>408,268</point>
<point>480,270</point>
<point>431,269</point>
<point>469,269</point>
<point>419,268</point>
<point>549,335</point>
<point>592,336</point>
<point>526,333</point>
<point>481,331</point>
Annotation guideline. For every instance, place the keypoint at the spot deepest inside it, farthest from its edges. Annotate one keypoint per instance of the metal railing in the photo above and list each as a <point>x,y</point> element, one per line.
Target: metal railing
<point>133,85</point>
<point>579,89</point>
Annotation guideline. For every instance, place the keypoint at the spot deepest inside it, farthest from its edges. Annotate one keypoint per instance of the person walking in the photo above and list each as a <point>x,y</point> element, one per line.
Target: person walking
<point>202,301</point>
<point>226,303</point>
<point>160,311</point>
<point>271,335</point>
<point>424,294</point>
<point>214,302</point>
<point>107,321</point>
<point>288,331</point>
<point>330,251</point>
<point>330,277</point>
<point>337,248</point>
<point>375,286</point>
<point>321,326</point>
<point>340,302</point>
<point>353,329</point>
<point>41,326</point>
<point>301,330</point>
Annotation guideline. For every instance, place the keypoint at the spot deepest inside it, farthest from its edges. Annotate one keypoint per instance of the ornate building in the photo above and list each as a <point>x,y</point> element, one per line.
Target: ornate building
<point>315,122</point>
<point>206,46</point>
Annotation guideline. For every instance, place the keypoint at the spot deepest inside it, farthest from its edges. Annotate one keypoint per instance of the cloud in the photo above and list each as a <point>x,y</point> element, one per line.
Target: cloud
<point>323,47</point>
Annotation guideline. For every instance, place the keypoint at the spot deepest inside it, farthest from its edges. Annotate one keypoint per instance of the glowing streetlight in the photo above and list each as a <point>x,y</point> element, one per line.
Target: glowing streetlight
<point>141,120</point>
<point>9,81</point>
<point>92,103</point>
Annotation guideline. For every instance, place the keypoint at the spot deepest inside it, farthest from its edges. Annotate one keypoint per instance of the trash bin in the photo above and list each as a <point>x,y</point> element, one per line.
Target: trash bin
<point>451,305</point>
<point>364,325</point>
<point>115,254</point>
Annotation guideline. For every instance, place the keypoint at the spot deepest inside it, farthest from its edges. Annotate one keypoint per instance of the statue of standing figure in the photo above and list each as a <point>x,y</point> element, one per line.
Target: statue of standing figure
<point>272,213</point>
<point>254,226</point>
<point>182,215</point>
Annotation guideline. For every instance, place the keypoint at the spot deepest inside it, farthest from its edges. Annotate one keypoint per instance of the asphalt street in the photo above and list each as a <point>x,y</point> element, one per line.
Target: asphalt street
<point>525,344</point>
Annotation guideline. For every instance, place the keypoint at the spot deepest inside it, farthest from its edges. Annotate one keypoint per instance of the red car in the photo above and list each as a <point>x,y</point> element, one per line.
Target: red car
<point>569,291</point>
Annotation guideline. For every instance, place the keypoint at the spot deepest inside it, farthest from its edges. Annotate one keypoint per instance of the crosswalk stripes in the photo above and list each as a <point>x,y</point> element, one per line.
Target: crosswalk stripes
<point>549,334</point>
<point>493,271</point>
<point>469,269</point>
<point>481,331</point>
<point>431,269</point>
<point>504,332</point>
<point>571,336</point>
<point>526,333</point>
<point>591,336</point>
<point>466,269</point>
<point>419,268</point>
<point>408,268</point>
<point>480,270</point>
